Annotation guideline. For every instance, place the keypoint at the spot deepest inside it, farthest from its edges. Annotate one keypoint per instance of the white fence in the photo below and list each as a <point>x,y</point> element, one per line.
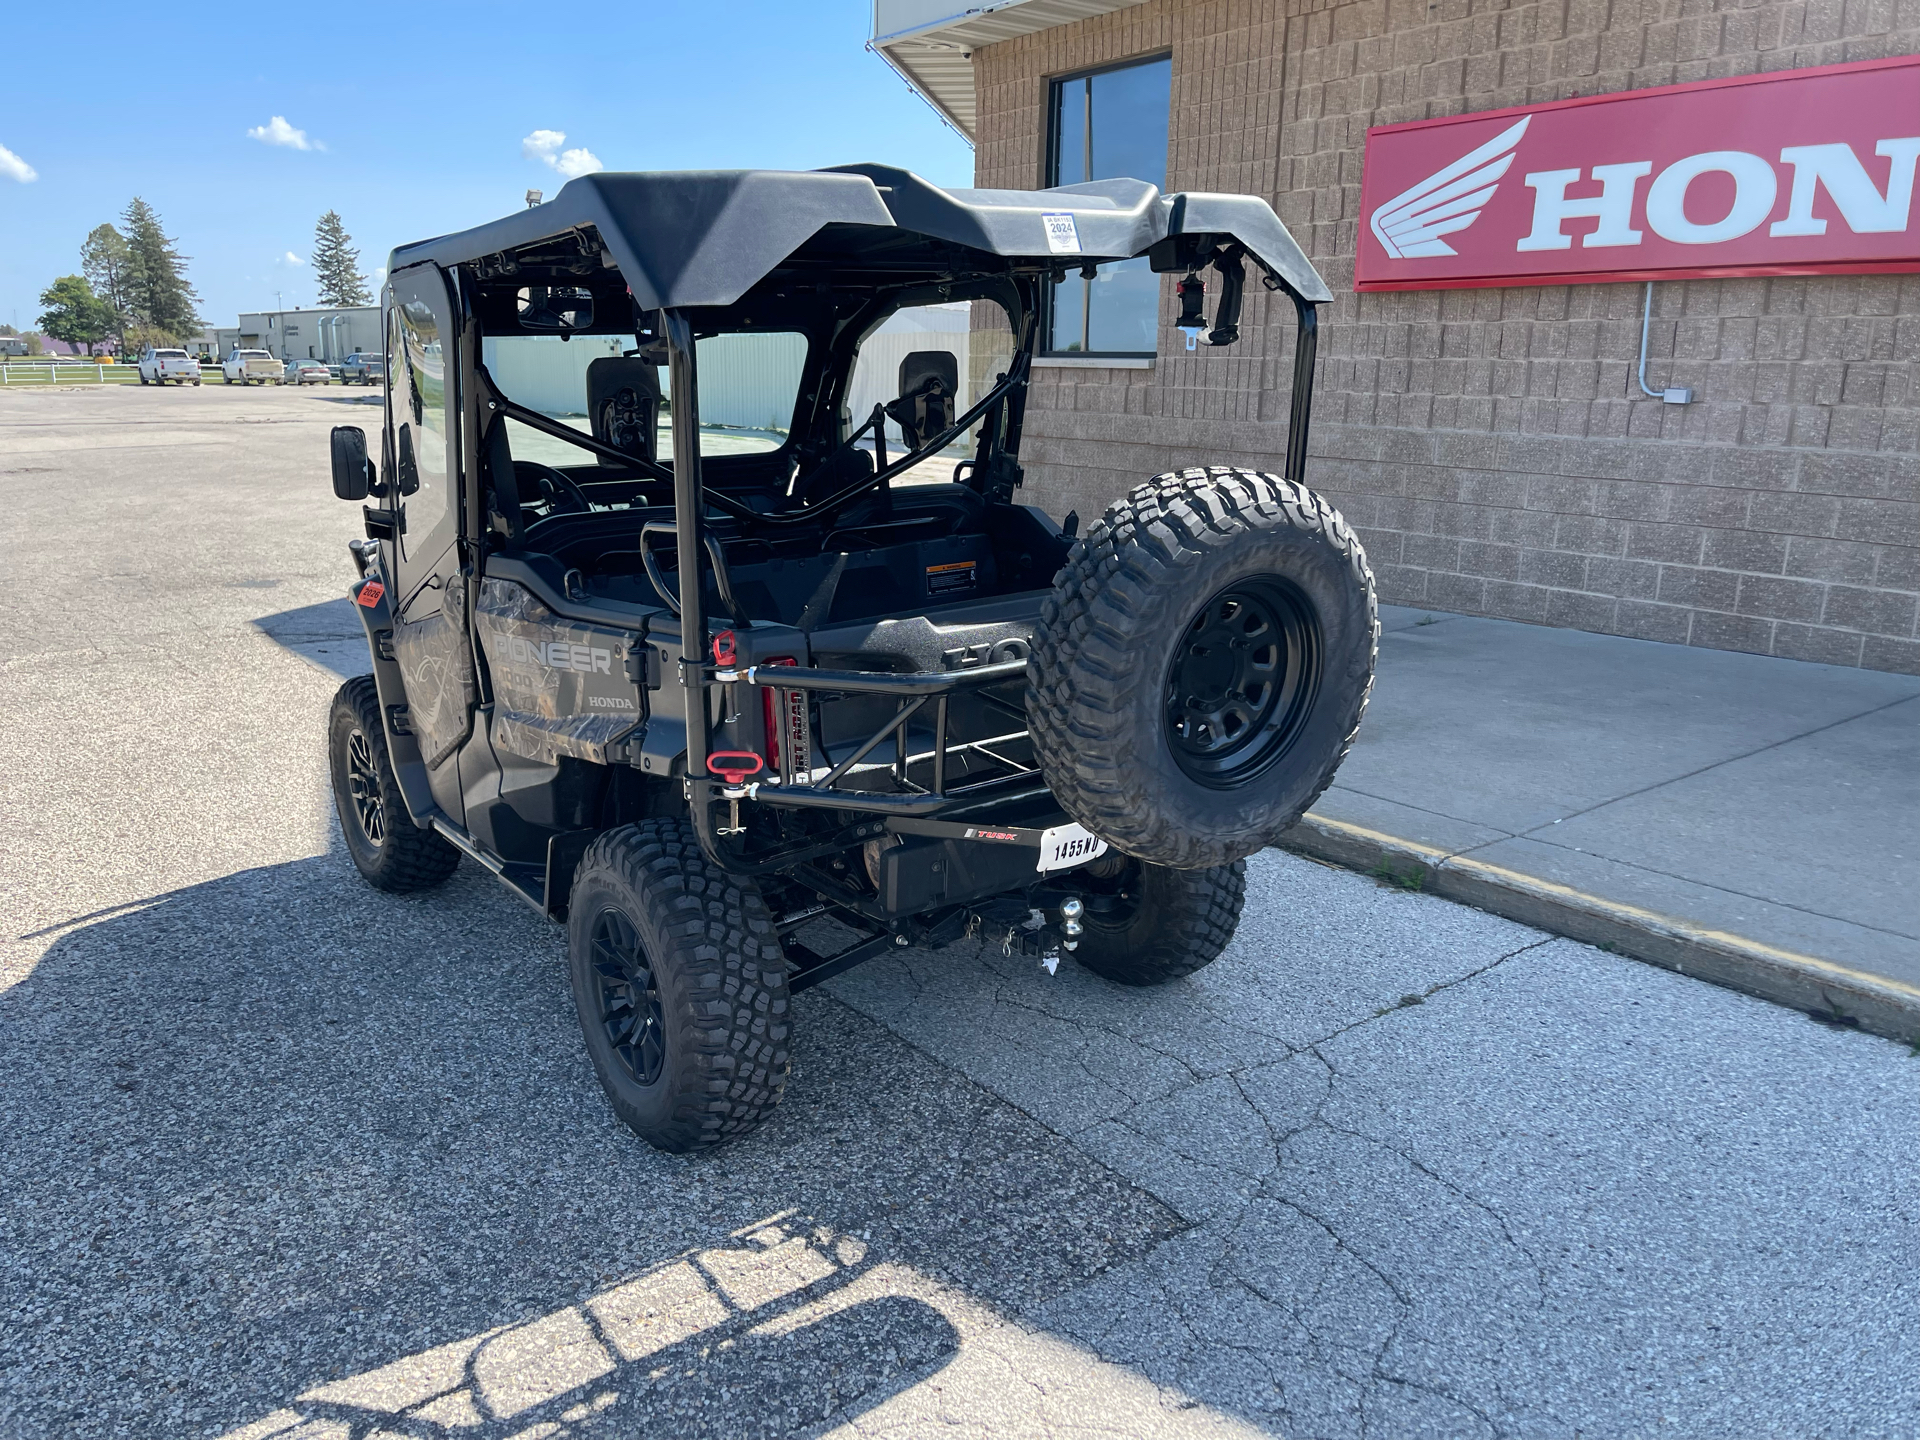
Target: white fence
<point>44,372</point>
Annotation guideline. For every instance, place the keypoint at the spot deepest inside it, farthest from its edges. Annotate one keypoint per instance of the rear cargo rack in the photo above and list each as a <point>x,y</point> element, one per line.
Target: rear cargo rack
<point>914,691</point>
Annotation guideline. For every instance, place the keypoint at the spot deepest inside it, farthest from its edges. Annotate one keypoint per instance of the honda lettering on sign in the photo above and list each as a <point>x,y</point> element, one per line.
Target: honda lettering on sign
<point>1804,172</point>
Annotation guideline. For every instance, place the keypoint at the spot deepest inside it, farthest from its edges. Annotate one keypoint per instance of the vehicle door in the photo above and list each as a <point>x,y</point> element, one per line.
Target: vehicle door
<point>430,634</point>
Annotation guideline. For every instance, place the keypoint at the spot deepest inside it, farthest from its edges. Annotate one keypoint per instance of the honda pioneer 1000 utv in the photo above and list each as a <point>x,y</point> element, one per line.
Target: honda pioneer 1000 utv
<point>697,662</point>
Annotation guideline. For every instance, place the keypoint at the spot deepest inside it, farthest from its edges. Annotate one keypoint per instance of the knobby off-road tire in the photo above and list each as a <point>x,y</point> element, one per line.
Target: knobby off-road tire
<point>387,847</point>
<point>1147,924</point>
<point>1201,667</point>
<point>681,986</point>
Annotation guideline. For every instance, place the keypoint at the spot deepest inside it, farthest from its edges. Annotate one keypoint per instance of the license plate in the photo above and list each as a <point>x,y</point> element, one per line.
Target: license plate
<point>1065,846</point>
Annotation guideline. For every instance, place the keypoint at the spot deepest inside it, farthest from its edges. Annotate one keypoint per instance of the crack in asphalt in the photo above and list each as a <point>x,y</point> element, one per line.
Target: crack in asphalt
<point>1239,1232</point>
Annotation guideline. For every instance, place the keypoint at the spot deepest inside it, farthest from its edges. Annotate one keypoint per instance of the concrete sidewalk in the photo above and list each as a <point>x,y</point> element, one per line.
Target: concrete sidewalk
<point>1751,820</point>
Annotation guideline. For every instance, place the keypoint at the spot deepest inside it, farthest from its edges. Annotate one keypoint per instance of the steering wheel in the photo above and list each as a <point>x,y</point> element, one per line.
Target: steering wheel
<point>557,488</point>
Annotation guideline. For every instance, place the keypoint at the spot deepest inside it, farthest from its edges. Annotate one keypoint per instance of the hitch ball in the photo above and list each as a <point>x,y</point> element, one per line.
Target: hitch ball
<point>1070,912</point>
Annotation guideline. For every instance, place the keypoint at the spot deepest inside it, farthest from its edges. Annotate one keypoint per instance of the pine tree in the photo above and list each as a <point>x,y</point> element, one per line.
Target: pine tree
<point>336,264</point>
<point>107,264</point>
<point>162,303</point>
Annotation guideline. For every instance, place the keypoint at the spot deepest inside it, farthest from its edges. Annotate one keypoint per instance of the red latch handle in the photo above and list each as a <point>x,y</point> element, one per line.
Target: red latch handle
<point>724,654</point>
<point>734,766</point>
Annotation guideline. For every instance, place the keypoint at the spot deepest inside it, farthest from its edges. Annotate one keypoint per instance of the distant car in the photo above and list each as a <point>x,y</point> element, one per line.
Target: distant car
<point>244,367</point>
<point>363,367</point>
<point>157,367</point>
<point>306,372</point>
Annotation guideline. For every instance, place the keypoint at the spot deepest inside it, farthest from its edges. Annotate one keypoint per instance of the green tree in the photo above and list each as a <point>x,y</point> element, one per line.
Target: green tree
<point>108,265</point>
<point>75,314</point>
<point>336,264</point>
<point>160,301</point>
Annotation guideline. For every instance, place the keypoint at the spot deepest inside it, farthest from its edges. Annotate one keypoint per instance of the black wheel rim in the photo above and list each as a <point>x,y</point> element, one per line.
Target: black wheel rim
<point>1243,682</point>
<point>629,998</point>
<point>363,789</point>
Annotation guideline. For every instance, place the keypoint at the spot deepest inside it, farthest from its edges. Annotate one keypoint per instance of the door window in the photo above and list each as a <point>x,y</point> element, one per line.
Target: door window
<point>423,424</point>
<point>1110,124</point>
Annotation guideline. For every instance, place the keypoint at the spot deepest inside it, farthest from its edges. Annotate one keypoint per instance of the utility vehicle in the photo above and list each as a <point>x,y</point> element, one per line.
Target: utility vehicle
<point>702,666</point>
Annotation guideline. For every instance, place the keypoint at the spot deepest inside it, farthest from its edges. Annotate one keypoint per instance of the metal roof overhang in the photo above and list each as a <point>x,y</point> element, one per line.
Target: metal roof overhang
<point>931,42</point>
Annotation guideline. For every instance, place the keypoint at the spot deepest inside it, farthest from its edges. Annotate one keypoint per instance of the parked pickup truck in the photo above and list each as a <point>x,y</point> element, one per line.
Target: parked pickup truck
<point>157,367</point>
<point>244,367</point>
<point>363,367</point>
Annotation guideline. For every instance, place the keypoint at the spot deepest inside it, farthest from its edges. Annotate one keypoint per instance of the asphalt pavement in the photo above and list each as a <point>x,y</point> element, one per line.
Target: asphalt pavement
<point>284,1157</point>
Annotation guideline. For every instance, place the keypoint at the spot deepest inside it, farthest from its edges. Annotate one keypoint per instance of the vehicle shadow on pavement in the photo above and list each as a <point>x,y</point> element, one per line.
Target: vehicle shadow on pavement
<point>328,634</point>
<point>287,1156</point>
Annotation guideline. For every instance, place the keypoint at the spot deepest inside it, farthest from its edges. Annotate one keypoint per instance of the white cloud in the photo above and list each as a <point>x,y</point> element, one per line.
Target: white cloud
<point>14,168</point>
<point>544,146</point>
<point>278,132</point>
<point>289,259</point>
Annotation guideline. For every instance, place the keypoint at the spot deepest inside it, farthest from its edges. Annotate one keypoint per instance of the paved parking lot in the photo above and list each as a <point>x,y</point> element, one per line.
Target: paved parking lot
<point>286,1158</point>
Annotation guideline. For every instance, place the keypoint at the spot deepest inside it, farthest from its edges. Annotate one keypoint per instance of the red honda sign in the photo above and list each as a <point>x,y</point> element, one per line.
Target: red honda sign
<point>1803,172</point>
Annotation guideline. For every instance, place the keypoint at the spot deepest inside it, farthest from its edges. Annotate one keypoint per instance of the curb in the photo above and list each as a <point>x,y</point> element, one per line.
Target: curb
<point>1828,992</point>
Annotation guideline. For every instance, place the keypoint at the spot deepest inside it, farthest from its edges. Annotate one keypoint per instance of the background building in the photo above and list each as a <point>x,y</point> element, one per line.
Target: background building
<point>319,334</point>
<point>1492,446</point>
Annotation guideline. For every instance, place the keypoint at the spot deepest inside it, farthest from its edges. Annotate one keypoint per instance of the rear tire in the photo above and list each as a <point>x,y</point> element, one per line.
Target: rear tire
<point>681,987</point>
<point>387,848</point>
<point>1148,924</point>
<point>1201,667</point>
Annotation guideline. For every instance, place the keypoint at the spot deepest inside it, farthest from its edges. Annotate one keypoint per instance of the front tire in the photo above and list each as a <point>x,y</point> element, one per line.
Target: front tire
<point>1201,667</point>
<point>681,986</point>
<point>1148,924</point>
<point>387,848</point>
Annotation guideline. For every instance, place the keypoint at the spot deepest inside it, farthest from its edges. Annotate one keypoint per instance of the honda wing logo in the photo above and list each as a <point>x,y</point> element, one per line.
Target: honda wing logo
<point>1410,225</point>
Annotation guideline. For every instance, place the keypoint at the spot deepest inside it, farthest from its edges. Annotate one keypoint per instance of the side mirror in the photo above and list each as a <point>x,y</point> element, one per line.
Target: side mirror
<point>352,472</point>
<point>929,391</point>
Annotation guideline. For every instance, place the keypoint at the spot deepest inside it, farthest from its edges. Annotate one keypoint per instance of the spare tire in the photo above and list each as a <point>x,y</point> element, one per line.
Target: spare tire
<point>1201,667</point>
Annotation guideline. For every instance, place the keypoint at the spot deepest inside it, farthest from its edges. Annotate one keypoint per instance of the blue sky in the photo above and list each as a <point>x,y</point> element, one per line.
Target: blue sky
<point>416,117</point>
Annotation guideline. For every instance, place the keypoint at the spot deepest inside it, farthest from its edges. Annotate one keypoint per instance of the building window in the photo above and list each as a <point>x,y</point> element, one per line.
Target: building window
<point>1105,125</point>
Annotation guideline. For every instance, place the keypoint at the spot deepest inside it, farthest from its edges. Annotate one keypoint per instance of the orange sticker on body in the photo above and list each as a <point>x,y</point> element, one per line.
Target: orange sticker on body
<point>370,594</point>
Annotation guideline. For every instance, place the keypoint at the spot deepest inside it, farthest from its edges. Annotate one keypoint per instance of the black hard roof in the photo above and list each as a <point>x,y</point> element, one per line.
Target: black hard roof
<point>705,237</point>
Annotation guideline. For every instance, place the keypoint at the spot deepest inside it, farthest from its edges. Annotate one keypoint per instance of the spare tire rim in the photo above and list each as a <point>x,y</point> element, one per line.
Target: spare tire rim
<point>1243,681</point>
<point>363,788</point>
<point>630,1010</point>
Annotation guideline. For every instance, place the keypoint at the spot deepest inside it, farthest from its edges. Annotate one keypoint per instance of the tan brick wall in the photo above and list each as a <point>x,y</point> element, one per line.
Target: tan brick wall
<point>1492,446</point>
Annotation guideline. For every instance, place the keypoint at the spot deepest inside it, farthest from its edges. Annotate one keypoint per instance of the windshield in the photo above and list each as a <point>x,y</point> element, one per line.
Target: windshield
<point>748,383</point>
<point>171,354</point>
<point>252,355</point>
